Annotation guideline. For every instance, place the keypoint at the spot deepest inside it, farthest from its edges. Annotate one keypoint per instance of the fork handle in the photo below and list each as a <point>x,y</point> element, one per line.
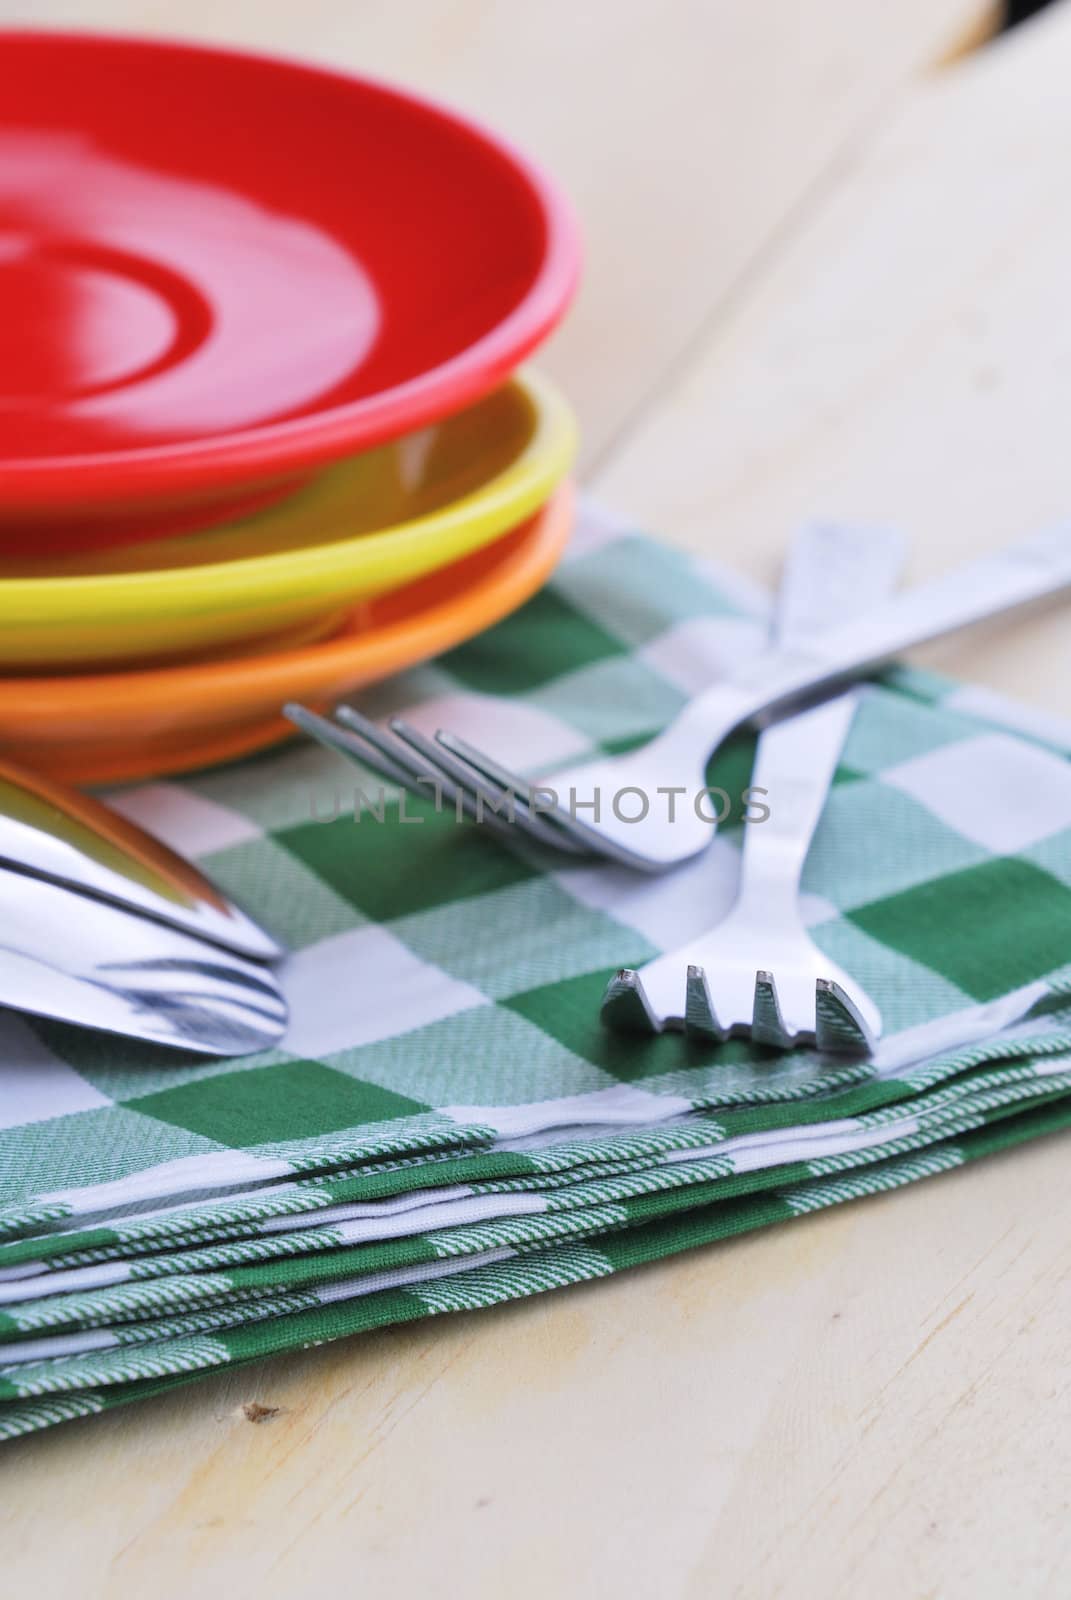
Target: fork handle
<point>794,765</point>
<point>778,679</point>
<point>783,678</point>
<point>831,571</point>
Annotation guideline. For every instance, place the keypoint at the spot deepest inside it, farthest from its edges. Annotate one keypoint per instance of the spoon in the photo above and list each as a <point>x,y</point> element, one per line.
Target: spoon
<point>68,955</point>
<point>48,830</point>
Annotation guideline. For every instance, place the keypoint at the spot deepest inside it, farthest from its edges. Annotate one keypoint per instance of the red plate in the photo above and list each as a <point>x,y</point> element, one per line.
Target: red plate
<point>218,271</point>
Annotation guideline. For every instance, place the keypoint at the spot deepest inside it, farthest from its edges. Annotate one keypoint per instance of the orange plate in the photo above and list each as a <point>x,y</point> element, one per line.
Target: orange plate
<point>113,727</point>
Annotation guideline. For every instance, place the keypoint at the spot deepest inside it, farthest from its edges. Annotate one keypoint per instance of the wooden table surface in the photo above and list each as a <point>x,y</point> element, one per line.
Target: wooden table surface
<point>828,249</point>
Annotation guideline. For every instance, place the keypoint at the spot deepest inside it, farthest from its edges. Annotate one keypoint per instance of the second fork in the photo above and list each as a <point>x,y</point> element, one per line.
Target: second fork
<point>759,972</point>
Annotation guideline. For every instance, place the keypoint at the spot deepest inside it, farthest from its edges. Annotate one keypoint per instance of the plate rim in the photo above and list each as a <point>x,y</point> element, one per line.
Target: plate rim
<point>229,458</point>
<point>542,463</point>
<point>548,530</point>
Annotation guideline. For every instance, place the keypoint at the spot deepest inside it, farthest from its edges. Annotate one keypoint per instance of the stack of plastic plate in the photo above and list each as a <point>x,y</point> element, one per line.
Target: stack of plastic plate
<point>263,432</point>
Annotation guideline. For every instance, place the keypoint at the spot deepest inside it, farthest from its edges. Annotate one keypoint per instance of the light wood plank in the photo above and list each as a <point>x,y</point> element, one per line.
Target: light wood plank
<point>906,359</point>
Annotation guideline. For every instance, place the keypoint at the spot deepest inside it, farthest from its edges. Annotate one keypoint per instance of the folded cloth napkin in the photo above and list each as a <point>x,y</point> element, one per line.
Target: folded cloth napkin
<point>445,991</point>
<point>133,1302</point>
<point>80,1287</point>
<point>80,1385</point>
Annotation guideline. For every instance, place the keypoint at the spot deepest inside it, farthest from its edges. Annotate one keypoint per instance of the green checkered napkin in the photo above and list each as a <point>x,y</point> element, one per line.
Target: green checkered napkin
<point>445,993</point>
<point>362,1206</point>
<point>140,1300</point>
<point>80,1385</point>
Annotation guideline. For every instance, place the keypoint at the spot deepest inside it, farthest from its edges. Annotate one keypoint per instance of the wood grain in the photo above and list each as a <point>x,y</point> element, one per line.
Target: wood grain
<point>868,316</point>
<point>906,358</point>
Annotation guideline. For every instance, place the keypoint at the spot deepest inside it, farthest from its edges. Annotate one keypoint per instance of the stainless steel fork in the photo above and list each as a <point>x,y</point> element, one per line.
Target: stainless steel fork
<point>758,972</point>
<point>779,682</point>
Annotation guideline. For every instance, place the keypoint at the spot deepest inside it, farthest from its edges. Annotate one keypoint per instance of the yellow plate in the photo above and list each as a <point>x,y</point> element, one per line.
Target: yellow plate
<point>111,727</point>
<point>359,529</point>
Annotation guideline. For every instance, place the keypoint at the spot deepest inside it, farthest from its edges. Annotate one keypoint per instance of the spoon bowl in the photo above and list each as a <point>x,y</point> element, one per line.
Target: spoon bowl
<point>50,831</point>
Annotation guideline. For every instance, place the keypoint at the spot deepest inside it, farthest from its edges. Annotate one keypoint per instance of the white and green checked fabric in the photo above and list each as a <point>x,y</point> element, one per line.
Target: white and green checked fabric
<point>446,1089</point>
<point>465,1220</point>
<point>344,1209</point>
<point>94,1380</point>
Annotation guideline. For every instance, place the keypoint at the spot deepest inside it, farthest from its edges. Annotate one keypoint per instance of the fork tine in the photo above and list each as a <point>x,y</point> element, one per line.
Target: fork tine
<point>458,772</point>
<point>839,1025</point>
<point>700,1020</point>
<point>366,742</point>
<point>349,744</point>
<point>488,769</point>
<point>427,771</point>
<point>408,746</point>
<point>393,748</point>
<point>398,767</point>
<point>767,1023</point>
<point>555,819</point>
<point>484,800</point>
<point>625,1006</point>
<point>481,767</point>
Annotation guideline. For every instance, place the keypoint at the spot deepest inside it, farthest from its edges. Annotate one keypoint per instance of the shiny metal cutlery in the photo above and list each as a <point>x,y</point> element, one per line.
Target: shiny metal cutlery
<point>103,926</point>
<point>776,683</point>
<point>55,832</point>
<point>758,972</point>
<point>407,759</point>
<point>76,958</point>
